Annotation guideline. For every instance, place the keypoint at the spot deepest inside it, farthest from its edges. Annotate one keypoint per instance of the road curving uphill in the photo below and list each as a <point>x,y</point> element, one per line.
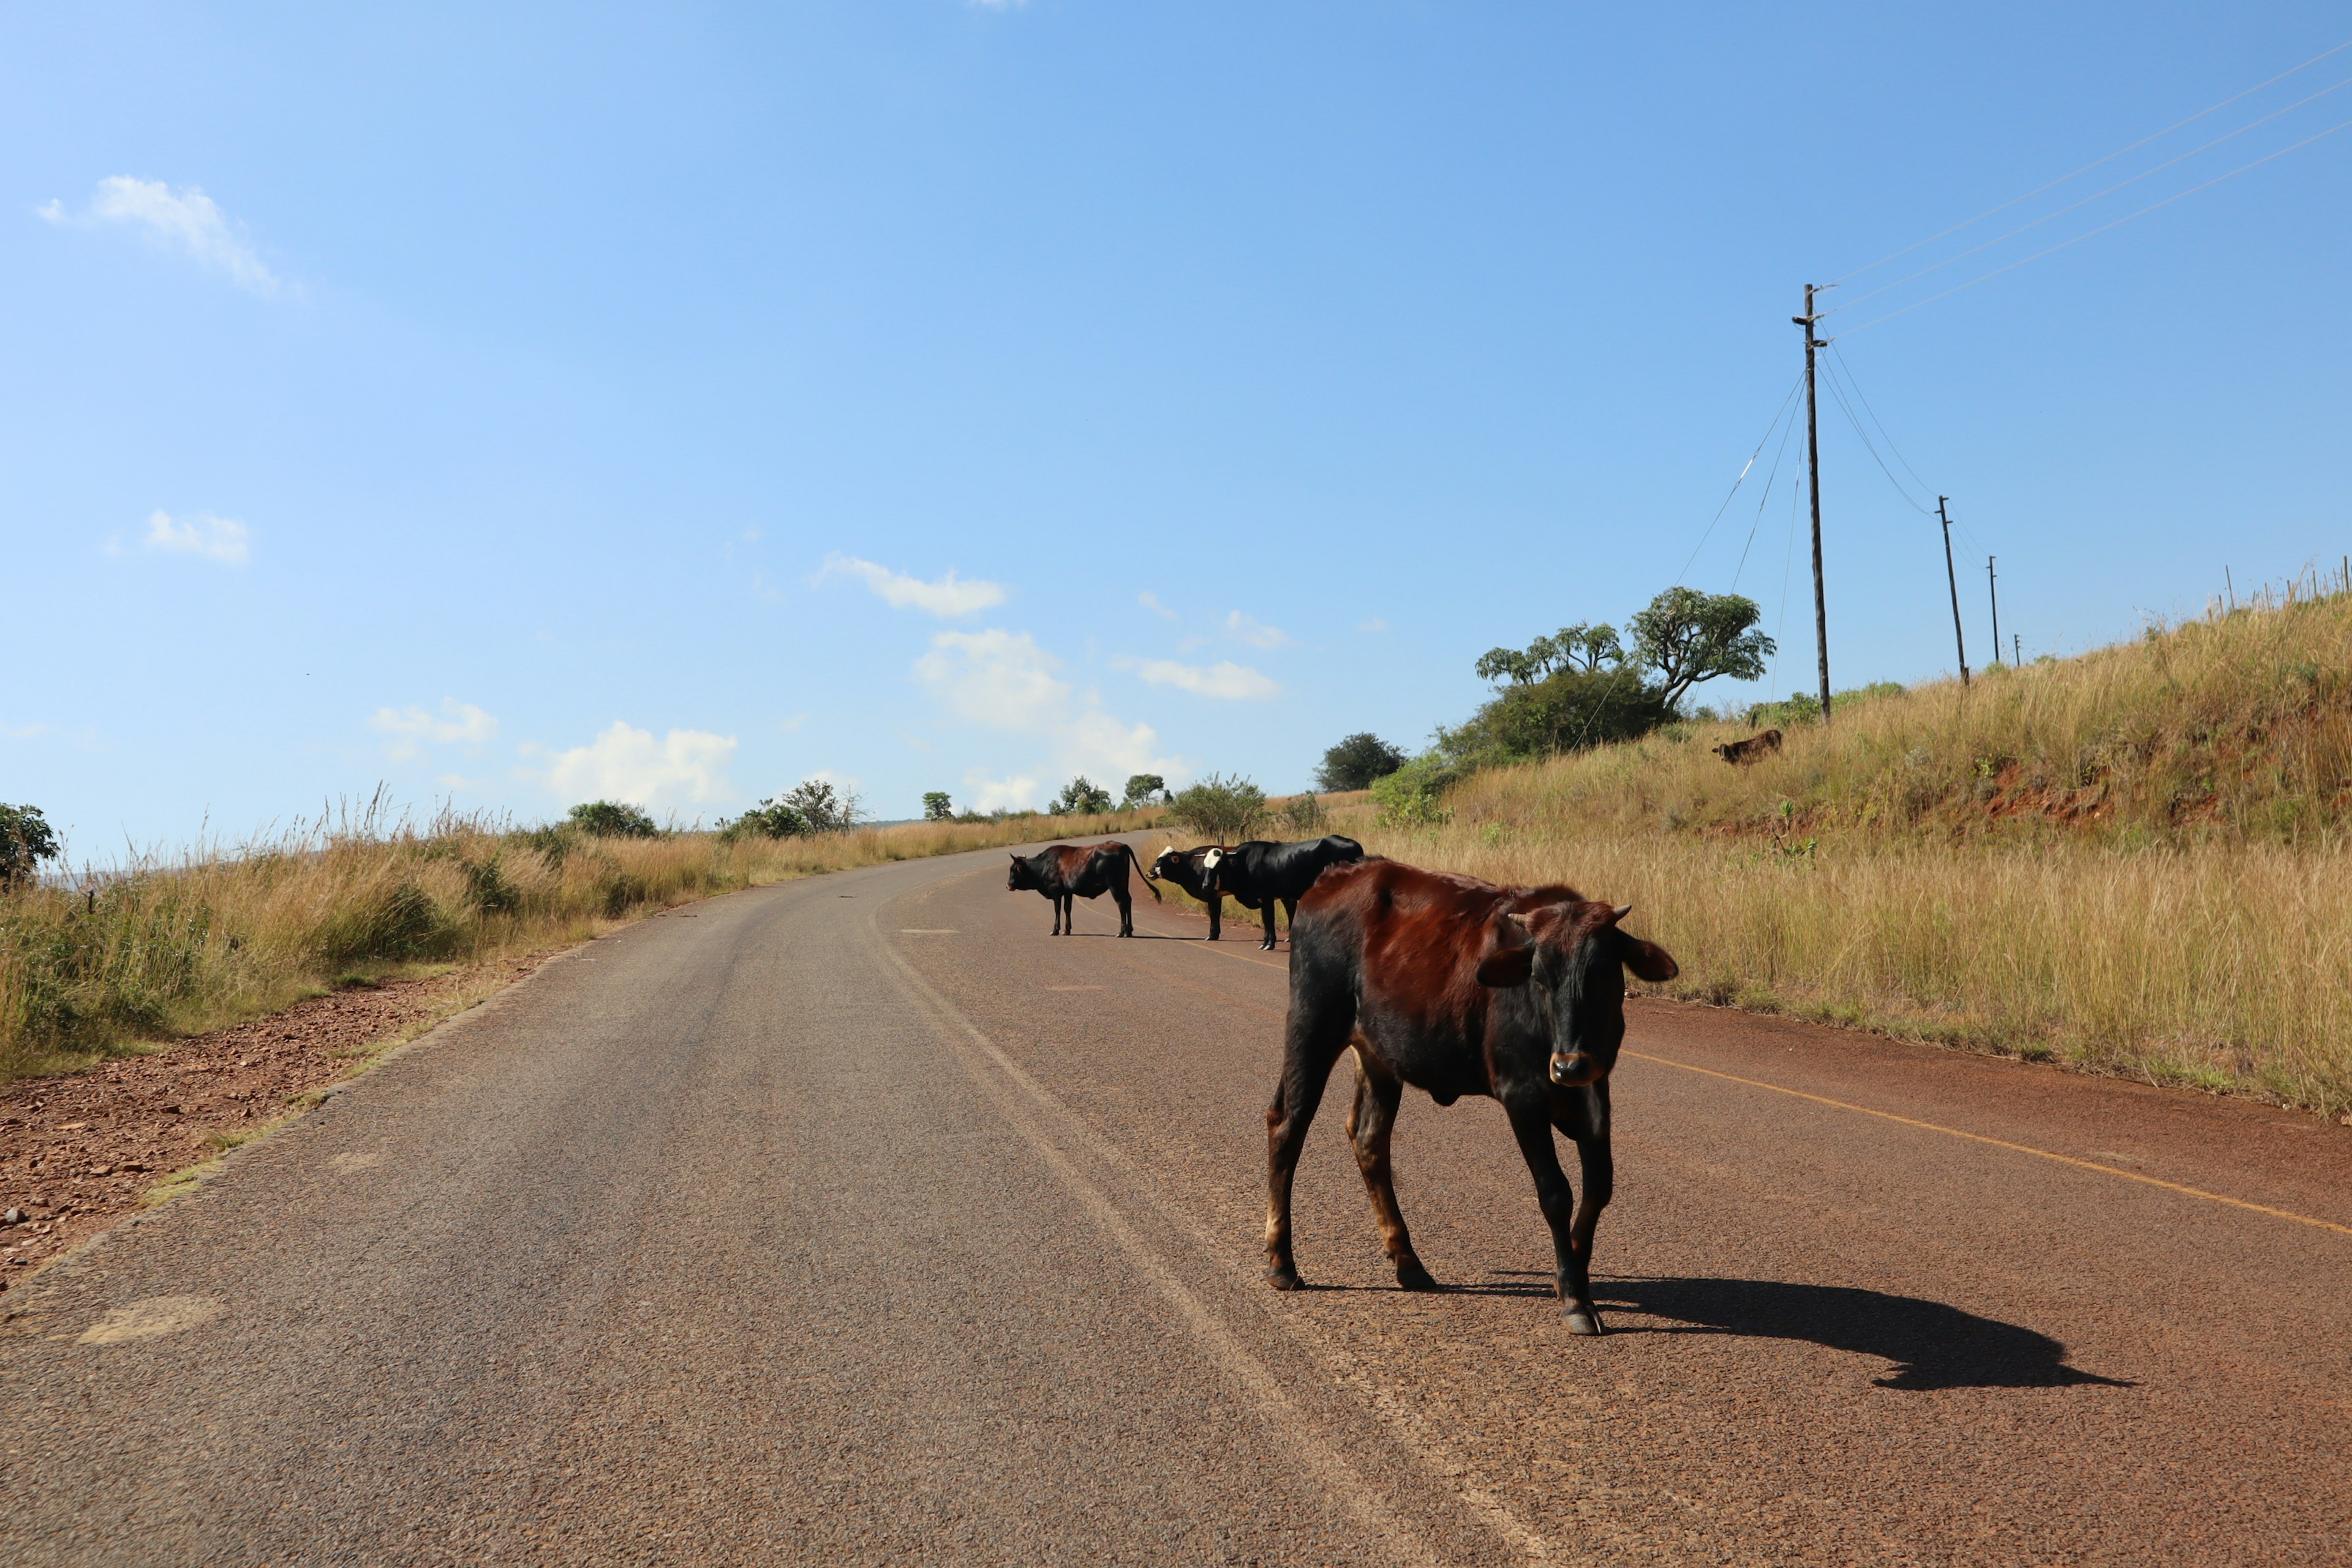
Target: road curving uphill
<point>859,1220</point>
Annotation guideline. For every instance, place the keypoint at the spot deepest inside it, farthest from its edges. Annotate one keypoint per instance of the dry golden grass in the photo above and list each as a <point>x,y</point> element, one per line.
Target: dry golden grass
<point>2135,862</point>
<point>177,949</point>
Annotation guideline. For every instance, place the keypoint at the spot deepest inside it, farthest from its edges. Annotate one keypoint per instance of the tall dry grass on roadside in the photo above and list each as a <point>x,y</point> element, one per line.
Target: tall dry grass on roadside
<point>170,949</point>
<point>2136,861</point>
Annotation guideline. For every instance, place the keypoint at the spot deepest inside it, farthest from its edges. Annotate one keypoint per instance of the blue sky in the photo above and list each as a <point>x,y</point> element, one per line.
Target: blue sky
<point>517,405</point>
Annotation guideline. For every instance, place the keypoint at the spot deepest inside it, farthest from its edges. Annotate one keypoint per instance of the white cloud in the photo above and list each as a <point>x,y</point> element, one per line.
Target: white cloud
<point>220,538</point>
<point>947,598</point>
<point>1375,626</point>
<point>1257,634</point>
<point>1151,602</point>
<point>412,728</point>
<point>1004,680</point>
<point>185,219</point>
<point>685,767</point>
<point>1223,678</point>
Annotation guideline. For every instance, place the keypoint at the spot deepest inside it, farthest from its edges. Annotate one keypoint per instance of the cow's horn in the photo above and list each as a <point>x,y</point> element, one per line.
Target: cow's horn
<point>1620,912</point>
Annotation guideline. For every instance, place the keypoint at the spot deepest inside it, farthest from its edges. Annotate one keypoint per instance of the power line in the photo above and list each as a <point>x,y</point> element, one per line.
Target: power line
<point>2094,164</point>
<point>2086,201</point>
<point>1845,368</point>
<point>1869,446</point>
<point>2103,229</point>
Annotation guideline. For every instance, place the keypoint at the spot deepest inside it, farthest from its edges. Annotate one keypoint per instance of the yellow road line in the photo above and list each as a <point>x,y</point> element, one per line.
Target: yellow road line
<point>2002,1143</point>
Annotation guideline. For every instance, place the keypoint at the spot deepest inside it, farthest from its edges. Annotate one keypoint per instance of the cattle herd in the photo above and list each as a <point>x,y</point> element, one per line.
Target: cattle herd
<point>1443,982</point>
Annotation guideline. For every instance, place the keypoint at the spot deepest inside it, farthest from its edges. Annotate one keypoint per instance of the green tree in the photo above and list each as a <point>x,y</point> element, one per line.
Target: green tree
<point>1687,637</point>
<point>826,808</point>
<point>1580,647</point>
<point>25,840</point>
<point>1080,797</point>
<point>614,820</point>
<point>937,807</point>
<point>1141,789</point>
<point>1355,762</point>
<point>1565,712</point>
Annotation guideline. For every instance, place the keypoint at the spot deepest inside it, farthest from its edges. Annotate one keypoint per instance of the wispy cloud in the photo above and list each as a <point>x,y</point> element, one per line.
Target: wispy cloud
<point>1375,626</point>
<point>215,538</point>
<point>1003,681</point>
<point>411,729</point>
<point>949,598</point>
<point>1151,602</point>
<point>624,764</point>
<point>186,220</point>
<point>1257,634</point>
<point>1223,678</point>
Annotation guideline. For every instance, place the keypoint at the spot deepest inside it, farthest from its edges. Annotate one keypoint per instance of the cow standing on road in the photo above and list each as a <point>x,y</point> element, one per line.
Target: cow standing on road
<point>1189,870</point>
<point>1457,986</point>
<point>1064,872</point>
<point>1258,875</point>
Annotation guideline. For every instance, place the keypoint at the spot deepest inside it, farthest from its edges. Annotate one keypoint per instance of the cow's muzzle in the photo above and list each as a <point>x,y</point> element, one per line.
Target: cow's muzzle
<point>1573,1069</point>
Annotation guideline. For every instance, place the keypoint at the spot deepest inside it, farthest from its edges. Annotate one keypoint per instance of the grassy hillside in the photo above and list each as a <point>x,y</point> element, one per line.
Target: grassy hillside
<point>2136,861</point>
<point>213,938</point>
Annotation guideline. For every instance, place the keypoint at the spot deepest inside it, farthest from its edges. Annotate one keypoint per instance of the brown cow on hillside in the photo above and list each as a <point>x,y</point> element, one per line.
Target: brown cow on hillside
<point>1064,872</point>
<point>1753,749</point>
<point>1456,986</point>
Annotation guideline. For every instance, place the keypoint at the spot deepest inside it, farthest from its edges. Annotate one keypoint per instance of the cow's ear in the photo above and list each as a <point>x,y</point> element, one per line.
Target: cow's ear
<point>1510,955</point>
<point>1649,961</point>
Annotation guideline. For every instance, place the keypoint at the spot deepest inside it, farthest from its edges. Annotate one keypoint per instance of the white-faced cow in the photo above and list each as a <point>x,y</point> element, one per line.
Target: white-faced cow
<point>1259,874</point>
<point>1189,870</point>
<point>1063,872</point>
<point>1457,987</point>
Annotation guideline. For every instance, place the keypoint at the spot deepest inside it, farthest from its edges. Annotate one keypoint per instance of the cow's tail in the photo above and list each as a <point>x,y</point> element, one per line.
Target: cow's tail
<point>1139,871</point>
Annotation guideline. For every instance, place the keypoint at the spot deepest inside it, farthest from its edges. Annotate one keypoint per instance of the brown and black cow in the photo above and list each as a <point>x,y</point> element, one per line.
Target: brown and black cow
<point>1756,748</point>
<point>1192,869</point>
<point>1457,987</point>
<point>1063,872</point>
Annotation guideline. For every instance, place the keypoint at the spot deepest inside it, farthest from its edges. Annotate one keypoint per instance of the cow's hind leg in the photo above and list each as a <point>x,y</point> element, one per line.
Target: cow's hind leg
<point>1322,1017</point>
<point>1217,914</point>
<point>1532,1124</point>
<point>1267,943</point>
<point>1371,1120</point>
<point>1125,908</point>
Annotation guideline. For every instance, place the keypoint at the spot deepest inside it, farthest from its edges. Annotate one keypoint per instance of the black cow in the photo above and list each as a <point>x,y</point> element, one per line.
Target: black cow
<point>1457,987</point>
<point>1258,875</point>
<point>1188,869</point>
<point>1754,749</point>
<point>1068,871</point>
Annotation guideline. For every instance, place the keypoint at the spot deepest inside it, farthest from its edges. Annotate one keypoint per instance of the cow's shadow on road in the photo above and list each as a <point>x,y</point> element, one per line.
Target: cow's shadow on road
<point>1931,1345</point>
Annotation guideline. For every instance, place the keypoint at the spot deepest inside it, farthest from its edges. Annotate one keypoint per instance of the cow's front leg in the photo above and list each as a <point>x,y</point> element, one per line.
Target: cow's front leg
<point>1266,946</point>
<point>1217,914</point>
<point>1532,1124</point>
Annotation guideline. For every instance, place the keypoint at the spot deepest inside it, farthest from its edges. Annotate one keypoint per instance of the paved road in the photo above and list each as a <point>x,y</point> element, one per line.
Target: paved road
<point>857,1220</point>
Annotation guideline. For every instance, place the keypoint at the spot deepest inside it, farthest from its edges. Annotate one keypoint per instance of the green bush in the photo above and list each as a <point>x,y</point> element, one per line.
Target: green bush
<point>1413,795</point>
<point>769,819</point>
<point>402,923</point>
<point>1567,711</point>
<point>1224,810</point>
<point>937,807</point>
<point>613,819</point>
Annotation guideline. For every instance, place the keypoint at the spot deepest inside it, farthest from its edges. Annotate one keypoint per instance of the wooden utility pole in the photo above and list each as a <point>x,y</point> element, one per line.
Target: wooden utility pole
<point>2016,655</point>
<point>1952,578</point>
<point>1994,591</point>
<point>1813,468</point>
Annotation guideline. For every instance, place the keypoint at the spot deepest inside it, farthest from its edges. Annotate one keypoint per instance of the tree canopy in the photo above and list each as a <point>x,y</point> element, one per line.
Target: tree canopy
<point>25,840</point>
<point>614,820</point>
<point>1081,797</point>
<point>1143,789</point>
<point>1583,646</point>
<point>1355,762</point>
<point>1687,637</point>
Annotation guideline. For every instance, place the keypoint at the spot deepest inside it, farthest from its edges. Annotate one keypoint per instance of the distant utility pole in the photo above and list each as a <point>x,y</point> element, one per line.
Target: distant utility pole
<point>1813,468</point>
<point>1952,578</point>
<point>2016,657</point>
<point>1993,590</point>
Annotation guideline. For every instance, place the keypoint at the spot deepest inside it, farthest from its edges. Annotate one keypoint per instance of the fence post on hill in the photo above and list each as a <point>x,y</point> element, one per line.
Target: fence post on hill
<point>1952,578</point>
<point>1813,469</point>
<point>1993,591</point>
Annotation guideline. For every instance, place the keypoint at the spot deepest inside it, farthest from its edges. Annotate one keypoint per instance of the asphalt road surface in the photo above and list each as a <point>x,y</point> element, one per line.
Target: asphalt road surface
<point>857,1220</point>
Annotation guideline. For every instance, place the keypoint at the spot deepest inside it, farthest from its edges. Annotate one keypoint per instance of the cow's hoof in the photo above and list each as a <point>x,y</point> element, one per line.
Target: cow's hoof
<point>1283,1277</point>
<point>1583,1322</point>
<point>1414,1277</point>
